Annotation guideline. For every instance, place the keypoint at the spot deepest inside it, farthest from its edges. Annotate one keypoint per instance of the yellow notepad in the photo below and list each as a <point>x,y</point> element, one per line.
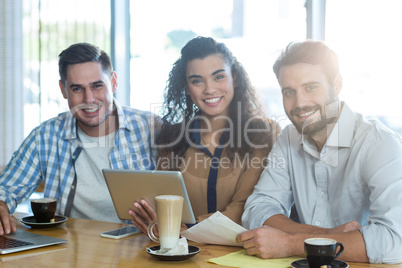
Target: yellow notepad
<point>242,260</point>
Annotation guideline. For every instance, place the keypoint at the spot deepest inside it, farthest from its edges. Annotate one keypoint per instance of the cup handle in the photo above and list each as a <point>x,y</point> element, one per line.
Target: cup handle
<point>151,233</point>
<point>341,247</point>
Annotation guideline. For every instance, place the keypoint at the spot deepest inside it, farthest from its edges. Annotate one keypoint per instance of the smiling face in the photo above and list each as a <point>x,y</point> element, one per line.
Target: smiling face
<point>89,92</point>
<point>310,101</point>
<point>210,85</point>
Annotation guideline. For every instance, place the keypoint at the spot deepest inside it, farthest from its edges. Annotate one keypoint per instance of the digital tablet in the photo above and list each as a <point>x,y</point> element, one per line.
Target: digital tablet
<point>128,186</point>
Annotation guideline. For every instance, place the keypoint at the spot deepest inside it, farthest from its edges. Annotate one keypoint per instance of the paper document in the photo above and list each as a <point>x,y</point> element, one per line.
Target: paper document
<point>217,229</point>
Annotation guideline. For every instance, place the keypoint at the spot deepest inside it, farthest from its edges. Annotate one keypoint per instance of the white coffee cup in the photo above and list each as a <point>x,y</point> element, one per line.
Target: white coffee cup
<point>169,210</point>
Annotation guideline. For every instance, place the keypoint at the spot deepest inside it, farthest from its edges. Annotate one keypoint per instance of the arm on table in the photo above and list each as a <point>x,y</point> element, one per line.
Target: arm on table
<point>283,223</point>
<point>382,172</point>
<point>281,237</point>
<point>18,181</point>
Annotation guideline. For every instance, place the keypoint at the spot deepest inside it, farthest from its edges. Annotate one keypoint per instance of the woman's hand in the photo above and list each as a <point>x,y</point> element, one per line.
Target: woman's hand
<point>143,214</point>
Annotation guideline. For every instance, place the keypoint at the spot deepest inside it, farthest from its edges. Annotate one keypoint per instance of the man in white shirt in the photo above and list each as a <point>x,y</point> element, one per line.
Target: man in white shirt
<point>342,172</point>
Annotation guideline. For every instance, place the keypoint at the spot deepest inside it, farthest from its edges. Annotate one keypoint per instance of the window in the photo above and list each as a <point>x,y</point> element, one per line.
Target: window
<point>367,41</point>
<point>49,26</point>
<point>254,30</point>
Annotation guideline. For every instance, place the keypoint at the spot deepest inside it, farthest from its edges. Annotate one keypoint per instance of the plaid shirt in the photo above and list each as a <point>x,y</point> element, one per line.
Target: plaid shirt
<point>48,154</point>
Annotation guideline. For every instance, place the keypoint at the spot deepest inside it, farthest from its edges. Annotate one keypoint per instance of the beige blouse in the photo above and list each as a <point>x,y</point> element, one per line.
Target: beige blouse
<point>235,180</point>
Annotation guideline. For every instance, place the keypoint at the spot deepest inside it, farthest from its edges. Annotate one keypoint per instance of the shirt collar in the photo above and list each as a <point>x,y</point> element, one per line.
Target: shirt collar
<point>341,136</point>
<point>120,114</point>
<point>342,133</point>
<point>195,134</point>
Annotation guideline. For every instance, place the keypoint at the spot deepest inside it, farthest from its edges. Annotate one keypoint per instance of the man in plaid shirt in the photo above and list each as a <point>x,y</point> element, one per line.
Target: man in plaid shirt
<point>68,152</point>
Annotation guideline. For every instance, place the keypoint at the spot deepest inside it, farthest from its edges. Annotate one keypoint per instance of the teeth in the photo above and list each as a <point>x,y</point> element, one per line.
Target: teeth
<point>213,100</point>
<point>91,110</point>
<point>307,114</point>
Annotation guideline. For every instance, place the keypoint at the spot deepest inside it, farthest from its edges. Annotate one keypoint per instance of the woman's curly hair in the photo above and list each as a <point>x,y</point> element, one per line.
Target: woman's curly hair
<point>178,108</point>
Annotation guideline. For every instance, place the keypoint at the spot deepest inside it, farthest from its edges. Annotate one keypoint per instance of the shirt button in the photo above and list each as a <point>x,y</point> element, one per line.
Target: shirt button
<point>317,223</point>
<point>321,194</point>
<point>73,187</point>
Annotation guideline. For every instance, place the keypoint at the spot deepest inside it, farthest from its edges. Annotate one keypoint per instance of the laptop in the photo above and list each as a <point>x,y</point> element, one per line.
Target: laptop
<point>23,240</point>
<point>128,186</point>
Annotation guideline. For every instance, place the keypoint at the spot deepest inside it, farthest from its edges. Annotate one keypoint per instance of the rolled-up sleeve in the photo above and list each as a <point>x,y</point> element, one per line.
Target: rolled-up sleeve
<point>382,170</point>
<point>21,176</point>
<point>273,194</point>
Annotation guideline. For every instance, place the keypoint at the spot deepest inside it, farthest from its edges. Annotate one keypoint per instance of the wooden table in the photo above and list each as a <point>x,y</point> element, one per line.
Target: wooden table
<point>85,248</point>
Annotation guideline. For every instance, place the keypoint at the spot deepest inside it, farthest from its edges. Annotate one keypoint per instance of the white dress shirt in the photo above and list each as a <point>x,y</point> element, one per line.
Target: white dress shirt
<point>356,176</point>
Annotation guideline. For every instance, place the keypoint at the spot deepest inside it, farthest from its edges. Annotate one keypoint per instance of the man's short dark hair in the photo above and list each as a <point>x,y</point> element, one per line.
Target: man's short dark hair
<point>311,52</point>
<point>81,53</point>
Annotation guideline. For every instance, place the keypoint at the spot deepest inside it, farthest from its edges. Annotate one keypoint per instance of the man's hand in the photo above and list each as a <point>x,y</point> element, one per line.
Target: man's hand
<point>347,227</point>
<point>266,242</point>
<point>8,224</point>
<point>269,242</point>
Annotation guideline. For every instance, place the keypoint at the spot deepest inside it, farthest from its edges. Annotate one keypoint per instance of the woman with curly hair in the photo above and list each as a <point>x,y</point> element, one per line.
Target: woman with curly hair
<point>214,131</point>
